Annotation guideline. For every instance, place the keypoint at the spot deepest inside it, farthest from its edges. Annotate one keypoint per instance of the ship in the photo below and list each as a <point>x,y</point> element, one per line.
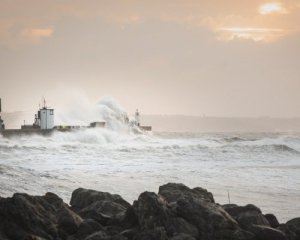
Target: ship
<point>44,124</point>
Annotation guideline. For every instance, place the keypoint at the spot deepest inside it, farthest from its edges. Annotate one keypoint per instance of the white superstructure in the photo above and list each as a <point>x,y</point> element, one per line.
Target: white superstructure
<point>44,119</point>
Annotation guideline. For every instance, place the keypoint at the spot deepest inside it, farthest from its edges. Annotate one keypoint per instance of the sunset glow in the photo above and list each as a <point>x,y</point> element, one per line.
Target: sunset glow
<point>255,34</point>
<point>270,8</point>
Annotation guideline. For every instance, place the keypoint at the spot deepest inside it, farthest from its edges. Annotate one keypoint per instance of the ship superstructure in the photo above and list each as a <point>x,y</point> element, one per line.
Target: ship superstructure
<point>44,124</point>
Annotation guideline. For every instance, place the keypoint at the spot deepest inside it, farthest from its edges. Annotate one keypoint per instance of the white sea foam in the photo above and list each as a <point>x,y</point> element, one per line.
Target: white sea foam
<point>256,168</point>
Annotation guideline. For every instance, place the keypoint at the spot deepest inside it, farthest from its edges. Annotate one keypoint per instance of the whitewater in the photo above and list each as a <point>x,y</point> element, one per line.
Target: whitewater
<point>258,168</point>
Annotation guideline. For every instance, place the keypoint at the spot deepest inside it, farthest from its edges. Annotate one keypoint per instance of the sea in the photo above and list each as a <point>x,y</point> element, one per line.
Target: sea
<point>241,168</point>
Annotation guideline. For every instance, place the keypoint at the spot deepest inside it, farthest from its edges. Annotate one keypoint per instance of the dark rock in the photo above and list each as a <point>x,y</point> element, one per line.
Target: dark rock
<point>86,228</point>
<point>82,198</point>
<point>183,236</point>
<point>100,235</point>
<point>151,211</point>
<point>154,234</point>
<point>36,217</point>
<point>130,233</point>
<point>177,225</point>
<point>174,191</point>
<point>210,219</point>
<point>246,215</point>
<point>291,229</point>
<point>272,220</point>
<point>267,233</point>
<point>103,211</point>
<point>130,219</point>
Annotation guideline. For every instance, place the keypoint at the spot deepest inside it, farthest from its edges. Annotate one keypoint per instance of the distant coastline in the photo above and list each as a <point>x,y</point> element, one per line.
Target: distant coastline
<point>185,123</point>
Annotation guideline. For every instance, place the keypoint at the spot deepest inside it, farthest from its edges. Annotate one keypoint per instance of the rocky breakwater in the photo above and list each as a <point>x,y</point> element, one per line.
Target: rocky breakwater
<point>176,212</point>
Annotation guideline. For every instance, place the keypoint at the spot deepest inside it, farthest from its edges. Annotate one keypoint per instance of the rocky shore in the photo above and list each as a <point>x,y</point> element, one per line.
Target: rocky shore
<point>176,212</point>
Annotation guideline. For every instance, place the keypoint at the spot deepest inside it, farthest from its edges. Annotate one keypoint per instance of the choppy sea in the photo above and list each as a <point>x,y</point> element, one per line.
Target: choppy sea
<point>262,169</point>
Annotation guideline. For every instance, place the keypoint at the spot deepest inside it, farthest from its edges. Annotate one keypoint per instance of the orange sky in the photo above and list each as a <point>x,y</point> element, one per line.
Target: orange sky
<point>221,58</point>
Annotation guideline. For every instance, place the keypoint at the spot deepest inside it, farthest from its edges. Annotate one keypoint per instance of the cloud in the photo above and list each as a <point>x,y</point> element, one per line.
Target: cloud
<point>272,8</point>
<point>37,33</point>
<point>255,34</point>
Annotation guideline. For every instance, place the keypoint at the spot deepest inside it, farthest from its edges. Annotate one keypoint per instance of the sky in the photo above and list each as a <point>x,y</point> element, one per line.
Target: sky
<point>232,58</point>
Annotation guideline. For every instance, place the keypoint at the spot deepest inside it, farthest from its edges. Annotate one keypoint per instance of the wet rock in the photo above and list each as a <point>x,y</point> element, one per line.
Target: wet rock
<point>153,234</point>
<point>82,198</point>
<point>86,228</point>
<point>183,236</point>
<point>100,235</point>
<point>291,229</point>
<point>267,233</point>
<point>246,215</point>
<point>103,211</point>
<point>174,191</point>
<point>151,211</point>
<point>272,220</point>
<point>33,217</point>
<point>210,219</point>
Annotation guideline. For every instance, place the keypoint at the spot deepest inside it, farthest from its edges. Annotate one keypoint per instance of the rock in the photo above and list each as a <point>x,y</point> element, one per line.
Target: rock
<point>154,234</point>
<point>177,225</point>
<point>246,215</point>
<point>272,220</point>
<point>100,235</point>
<point>291,229</point>
<point>86,228</point>
<point>36,217</point>
<point>82,198</point>
<point>210,219</point>
<point>151,211</point>
<point>174,191</point>
<point>103,211</point>
<point>183,236</point>
<point>267,233</point>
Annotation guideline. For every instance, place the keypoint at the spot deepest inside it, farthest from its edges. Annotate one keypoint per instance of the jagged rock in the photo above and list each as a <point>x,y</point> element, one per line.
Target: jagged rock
<point>36,217</point>
<point>100,235</point>
<point>174,191</point>
<point>291,229</point>
<point>246,215</point>
<point>86,228</point>
<point>82,198</point>
<point>210,219</point>
<point>103,211</point>
<point>176,213</point>
<point>267,233</point>
<point>183,236</point>
<point>154,234</point>
<point>272,220</point>
<point>151,211</point>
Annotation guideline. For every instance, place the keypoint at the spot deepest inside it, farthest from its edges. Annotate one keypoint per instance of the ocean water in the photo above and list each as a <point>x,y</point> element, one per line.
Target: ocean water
<point>258,168</point>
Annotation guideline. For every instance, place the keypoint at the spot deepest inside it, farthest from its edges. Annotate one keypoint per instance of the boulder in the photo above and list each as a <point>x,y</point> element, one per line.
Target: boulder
<point>82,198</point>
<point>86,228</point>
<point>291,229</point>
<point>36,217</point>
<point>153,234</point>
<point>174,191</point>
<point>100,235</point>
<point>267,233</point>
<point>103,211</point>
<point>246,215</point>
<point>272,220</point>
<point>151,211</point>
<point>210,219</point>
